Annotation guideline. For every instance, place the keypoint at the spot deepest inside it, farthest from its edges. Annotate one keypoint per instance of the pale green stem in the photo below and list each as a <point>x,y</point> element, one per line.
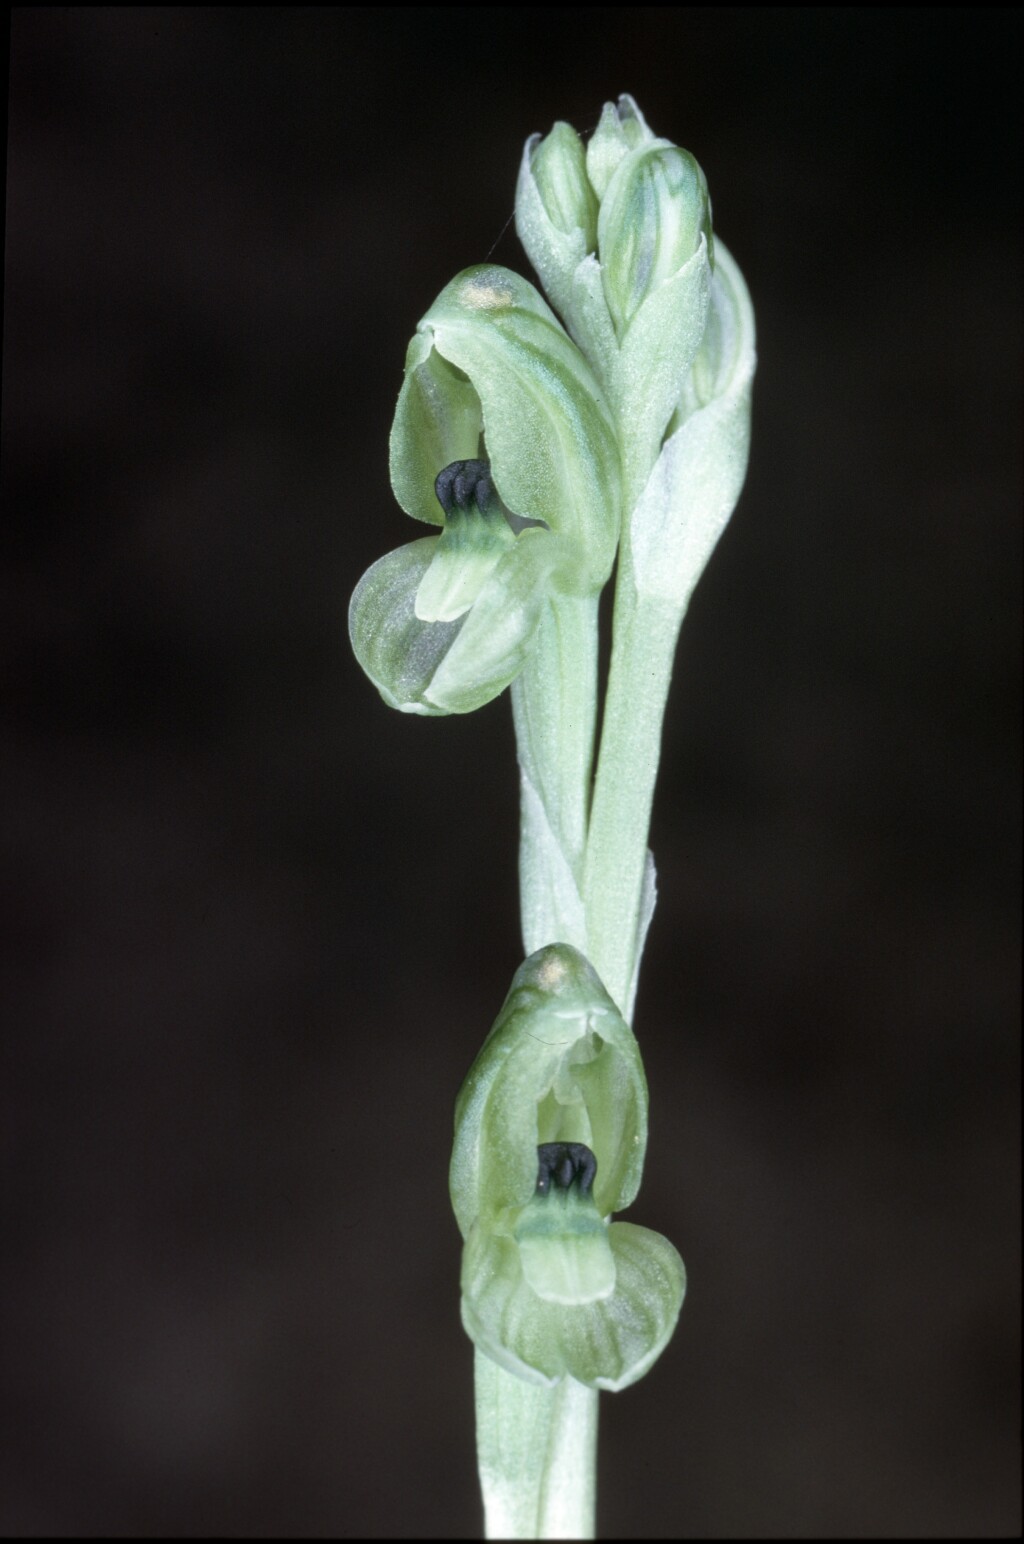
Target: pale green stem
<point>537,1446</point>
<point>643,645</point>
<point>554,705</point>
<point>537,1455</point>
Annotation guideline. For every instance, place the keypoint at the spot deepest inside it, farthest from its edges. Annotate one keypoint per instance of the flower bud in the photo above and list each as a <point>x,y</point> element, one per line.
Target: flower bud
<point>558,165</point>
<point>653,214</point>
<point>550,1132</point>
<point>622,128</point>
<point>556,214</point>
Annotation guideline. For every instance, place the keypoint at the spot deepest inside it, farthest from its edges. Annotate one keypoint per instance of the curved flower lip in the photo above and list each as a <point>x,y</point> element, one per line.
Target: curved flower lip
<point>607,1342</point>
<point>440,667</point>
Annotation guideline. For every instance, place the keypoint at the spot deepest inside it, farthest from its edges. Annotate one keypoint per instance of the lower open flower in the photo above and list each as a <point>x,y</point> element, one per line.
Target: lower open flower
<point>550,1132</point>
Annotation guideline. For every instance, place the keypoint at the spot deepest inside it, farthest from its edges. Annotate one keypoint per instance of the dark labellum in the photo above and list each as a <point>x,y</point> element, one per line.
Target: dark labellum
<point>563,1164</point>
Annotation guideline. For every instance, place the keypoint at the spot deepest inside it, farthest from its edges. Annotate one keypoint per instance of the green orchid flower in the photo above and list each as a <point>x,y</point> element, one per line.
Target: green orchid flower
<point>503,438</point>
<point>550,1133</point>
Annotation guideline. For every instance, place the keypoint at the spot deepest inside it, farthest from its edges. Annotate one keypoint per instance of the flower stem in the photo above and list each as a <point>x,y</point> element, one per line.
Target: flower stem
<point>537,1455</point>
<point>537,1446</point>
<point>554,704</point>
<point>644,640</point>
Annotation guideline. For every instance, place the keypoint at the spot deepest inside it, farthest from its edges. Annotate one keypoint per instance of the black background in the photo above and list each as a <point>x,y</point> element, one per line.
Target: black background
<point>256,924</point>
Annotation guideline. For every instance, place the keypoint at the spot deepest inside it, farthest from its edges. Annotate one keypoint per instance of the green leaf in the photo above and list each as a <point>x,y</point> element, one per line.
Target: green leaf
<point>657,355</point>
<point>648,901</point>
<point>551,904</point>
<point>586,314</point>
<point>727,357</point>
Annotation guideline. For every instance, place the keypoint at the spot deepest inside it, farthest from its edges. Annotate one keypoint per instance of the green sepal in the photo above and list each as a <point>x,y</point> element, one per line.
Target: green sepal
<point>607,1342</point>
<point>657,354</point>
<point>438,420</point>
<point>556,168</point>
<point>559,1064</point>
<point>556,215</point>
<point>491,359</point>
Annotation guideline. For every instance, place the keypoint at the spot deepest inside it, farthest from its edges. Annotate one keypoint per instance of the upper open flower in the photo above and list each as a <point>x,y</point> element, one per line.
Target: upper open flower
<point>494,388</point>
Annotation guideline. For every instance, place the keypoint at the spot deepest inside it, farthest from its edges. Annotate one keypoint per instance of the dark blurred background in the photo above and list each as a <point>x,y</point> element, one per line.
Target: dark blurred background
<point>256,925</point>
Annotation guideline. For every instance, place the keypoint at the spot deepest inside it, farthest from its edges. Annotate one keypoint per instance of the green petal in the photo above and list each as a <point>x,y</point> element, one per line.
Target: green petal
<point>438,420</point>
<point>607,1342</point>
<point>560,1064</point>
<point>450,667</point>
